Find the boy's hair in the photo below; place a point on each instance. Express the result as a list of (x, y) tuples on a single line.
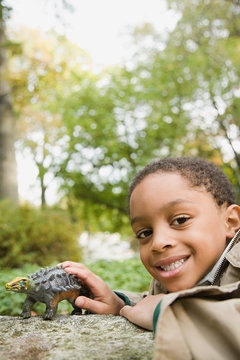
[(198, 172)]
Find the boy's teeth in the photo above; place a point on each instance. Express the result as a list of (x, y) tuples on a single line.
[(172, 266)]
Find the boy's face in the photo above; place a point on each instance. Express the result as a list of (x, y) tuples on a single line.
[(181, 230)]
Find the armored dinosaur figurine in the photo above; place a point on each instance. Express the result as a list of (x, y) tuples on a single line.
[(49, 286)]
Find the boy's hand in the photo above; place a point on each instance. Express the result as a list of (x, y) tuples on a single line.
[(142, 313), (105, 301)]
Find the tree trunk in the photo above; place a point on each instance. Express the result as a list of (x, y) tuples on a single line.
[(8, 171)]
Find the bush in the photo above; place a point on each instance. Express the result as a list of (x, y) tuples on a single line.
[(36, 236), (126, 275)]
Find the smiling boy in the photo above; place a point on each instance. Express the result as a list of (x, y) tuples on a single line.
[(181, 231), (185, 216)]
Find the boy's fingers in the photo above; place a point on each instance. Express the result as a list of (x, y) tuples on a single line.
[(125, 311), (93, 306), (94, 282), (142, 319), (71, 264)]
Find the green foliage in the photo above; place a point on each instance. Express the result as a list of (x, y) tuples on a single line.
[(36, 236), (179, 96), (126, 275), (172, 102), (194, 81)]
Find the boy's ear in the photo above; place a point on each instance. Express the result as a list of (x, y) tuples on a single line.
[(232, 220)]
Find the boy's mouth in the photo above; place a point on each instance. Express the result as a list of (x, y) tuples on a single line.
[(171, 265)]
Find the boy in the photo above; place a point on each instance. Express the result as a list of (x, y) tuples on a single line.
[(185, 215)]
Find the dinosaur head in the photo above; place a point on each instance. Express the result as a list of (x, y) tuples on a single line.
[(19, 284)]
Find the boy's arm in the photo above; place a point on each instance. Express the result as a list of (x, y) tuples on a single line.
[(104, 301), (142, 313)]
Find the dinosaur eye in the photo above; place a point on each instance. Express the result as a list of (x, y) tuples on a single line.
[(21, 283)]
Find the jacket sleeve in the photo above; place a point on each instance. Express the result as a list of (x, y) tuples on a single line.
[(132, 298)]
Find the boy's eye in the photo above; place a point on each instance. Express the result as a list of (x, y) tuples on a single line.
[(144, 234), (180, 220)]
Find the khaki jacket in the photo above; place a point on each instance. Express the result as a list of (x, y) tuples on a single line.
[(203, 322)]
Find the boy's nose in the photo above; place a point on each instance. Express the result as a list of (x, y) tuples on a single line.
[(161, 241)]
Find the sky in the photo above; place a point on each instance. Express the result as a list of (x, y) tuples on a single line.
[(101, 28)]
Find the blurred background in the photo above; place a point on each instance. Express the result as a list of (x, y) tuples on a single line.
[(90, 92)]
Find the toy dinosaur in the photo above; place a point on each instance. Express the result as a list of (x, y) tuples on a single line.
[(49, 286)]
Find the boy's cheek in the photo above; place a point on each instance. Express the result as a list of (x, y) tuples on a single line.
[(144, 256)]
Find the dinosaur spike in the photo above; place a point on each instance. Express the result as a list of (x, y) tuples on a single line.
[(67, 279), (52, 277), (54, 289)]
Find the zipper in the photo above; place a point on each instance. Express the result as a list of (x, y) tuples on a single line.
[(224, 261)]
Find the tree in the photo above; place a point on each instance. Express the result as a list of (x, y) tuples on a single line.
[(8, 176), (111, 135), (211, 33), (118, 122), (193, 73), (38, 77), (8, 173), (180, 96)]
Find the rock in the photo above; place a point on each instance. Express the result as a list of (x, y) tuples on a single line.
[(85, 337)]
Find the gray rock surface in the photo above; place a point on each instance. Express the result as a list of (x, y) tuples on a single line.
[(85, 337)]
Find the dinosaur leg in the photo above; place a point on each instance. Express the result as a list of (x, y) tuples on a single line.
[(51, 309), (27, 306), (77, 310)]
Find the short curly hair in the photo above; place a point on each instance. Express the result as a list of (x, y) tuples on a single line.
[(197, 171)]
